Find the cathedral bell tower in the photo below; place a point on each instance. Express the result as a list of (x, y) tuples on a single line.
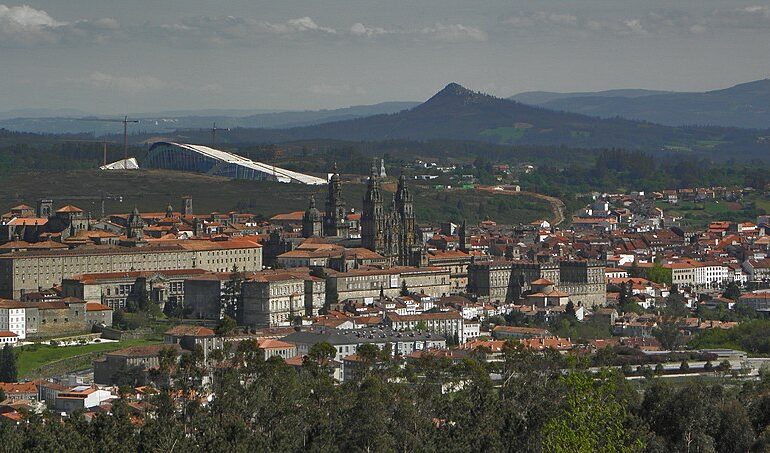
[(404, 205), (312, 221), (334, 223), (373, 216), (135, 228)]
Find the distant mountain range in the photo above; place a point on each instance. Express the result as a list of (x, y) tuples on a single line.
[(62, 121), (746, 105), (456, 113)]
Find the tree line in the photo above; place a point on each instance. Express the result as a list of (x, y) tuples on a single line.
[(430, 404)]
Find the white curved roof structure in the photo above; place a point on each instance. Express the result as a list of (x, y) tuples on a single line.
[(122, 164), (203, 159)]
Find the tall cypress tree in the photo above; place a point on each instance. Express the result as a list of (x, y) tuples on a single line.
[(8, 371)]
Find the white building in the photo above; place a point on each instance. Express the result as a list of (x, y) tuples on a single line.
[(696, 274), (13, 318), (7, 337), (81, 397)]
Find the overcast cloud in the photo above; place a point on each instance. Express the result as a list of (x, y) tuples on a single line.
[(113, 56)]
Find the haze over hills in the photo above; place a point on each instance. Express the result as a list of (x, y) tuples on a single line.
[(745, 105), (456, 113), (71, 121), (543, 97)]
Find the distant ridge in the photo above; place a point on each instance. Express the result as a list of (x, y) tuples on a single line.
[(457, 113), (745, 105), (69, 121)]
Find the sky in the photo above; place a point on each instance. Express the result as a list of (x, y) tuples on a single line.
[(119, 56)]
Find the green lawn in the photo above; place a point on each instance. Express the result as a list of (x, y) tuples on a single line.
[(61, 359)]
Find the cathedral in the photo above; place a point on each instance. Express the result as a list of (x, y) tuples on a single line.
[(392, 233)]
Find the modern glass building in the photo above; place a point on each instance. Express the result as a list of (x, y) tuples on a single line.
[(202, 159)]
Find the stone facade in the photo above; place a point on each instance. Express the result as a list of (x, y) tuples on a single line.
[(507, 281), (203, 296), (53, 318), (275, 298), (27, 271), (369, 283), (457, 263), (114, 288), (390, 233)]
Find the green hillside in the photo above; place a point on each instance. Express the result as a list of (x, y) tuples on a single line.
[(153, 190)]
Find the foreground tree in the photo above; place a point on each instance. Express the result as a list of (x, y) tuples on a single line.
[(231, 294), (591, 419), (8, 370), (668, 335)]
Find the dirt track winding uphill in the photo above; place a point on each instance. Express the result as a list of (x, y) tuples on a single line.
[(557, 206)]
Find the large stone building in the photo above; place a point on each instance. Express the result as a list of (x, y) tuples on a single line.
[(457, 262), (52, 318), (372, 282), (23, 224), (390, 233), (31, 270), (275, 298), (269, 298), (115, 288), (508, 281)]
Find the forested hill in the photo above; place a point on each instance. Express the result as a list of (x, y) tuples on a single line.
[(456, 113), (746, 105)]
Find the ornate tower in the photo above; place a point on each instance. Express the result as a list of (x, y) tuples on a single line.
[(404, 206), (187, 206), (135, 228), (465, 239), (373, 216), (311, 221), (334, 217), (44, 208)]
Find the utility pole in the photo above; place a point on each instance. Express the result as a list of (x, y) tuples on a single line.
[(104, 147)]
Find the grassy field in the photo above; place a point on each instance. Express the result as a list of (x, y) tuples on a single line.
[(153, 190), (42, 360), (698, 215)]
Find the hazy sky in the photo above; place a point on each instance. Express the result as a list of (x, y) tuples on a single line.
[(117, 56)]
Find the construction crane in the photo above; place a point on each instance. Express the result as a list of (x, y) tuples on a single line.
[(104, 146), (125, 122), (214, 130)]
